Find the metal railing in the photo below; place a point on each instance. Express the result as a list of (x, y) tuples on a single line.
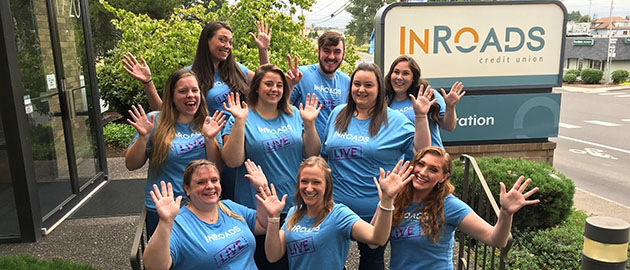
[(474, 254), (139, 242)]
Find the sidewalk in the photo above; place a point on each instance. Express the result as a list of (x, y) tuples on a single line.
[(105, 242), (594, 88)]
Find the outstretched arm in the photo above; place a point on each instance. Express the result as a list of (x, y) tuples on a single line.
[(157, 255), (274, 240), (142, 72), (135, 156), (309, 112), (448, 122), (212, 127), (511, 202), (233, 151), (421, 106), (388, 185)]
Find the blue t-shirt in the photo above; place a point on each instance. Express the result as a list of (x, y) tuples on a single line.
[(355, 157), (220, 92), (227, 244), (188, 145), (330, 91), (275, 145), (413, 250), (406, 107), (324, 246)]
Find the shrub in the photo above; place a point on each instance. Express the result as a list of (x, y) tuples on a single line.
[(569, 78), (118, 135), (573, 71), (591, 75), (555, 190), (24, 262), (559, 247), (619, 76)]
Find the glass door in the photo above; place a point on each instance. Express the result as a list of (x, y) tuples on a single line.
[(58, 98)]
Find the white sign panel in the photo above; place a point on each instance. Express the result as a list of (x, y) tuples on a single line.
[(486, 45)]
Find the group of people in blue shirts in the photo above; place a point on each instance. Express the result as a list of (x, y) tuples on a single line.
[(281, 170)]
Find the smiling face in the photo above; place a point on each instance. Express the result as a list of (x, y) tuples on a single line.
[(401, 78), (312, 186), (220, 45), (186, 98), (428, 172), (330, 58), (270, 90), (204, 188), (364, 89)]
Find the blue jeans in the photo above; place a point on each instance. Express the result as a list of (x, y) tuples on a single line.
[(371, 259)]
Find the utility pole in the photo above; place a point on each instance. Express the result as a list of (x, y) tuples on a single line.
[(611, 46)]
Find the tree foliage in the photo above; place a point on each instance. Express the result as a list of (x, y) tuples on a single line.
[(170, 44), (362, 23), (574, 16)]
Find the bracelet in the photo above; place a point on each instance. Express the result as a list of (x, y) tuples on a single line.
[(421, 116), (274, 220), (386, 209), (150, 80)]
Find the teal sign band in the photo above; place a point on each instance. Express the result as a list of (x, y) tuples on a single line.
[(506, 81), (506, 117)]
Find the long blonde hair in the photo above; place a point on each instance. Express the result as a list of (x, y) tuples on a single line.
[(300, 206), (192, 167), (165, 129), (432, 217)]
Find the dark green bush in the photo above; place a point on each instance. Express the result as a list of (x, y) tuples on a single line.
[(619, 76), (569, 78), (29, 263), (118, 135), (573, 71), (591, 75), (555, 190)]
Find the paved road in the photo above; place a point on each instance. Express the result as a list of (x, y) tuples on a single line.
[(593, 146)]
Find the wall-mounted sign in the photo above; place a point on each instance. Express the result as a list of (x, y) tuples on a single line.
[(584, 42), (486, 45), (505, 117)]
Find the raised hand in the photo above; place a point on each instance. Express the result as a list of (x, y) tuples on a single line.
[(310, 112), (140, 121), (211, 127), (422, 104), (456, 93), (237, 108), (268, 198), (139, 71), (255, 174), (263, 39), (390, 183), (294, 75), (514, 199), (167, 207)]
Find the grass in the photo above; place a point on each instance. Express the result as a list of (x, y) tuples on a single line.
[(24, 262)]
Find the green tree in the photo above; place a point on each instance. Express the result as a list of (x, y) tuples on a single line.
[(585, 18), (362, 23), (574, 16), (170, 44), (106, 35)]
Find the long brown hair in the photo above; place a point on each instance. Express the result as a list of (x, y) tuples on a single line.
[(300, 207), (378, 112), (414, 88), (432, 217), (252, 97), (229, 70), (192, 167), (165, 129)]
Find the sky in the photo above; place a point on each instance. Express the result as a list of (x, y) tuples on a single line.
[(321, 11)]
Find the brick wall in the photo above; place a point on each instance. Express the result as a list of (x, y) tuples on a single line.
[(539, 152)]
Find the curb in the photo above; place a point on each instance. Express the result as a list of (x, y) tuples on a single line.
[(597, 205)]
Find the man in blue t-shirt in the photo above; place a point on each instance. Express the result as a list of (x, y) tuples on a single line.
[(329, 85)]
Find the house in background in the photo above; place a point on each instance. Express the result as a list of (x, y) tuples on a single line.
[(592, 52), (620, 27)]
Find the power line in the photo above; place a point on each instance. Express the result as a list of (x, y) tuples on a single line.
[(334, 14)]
